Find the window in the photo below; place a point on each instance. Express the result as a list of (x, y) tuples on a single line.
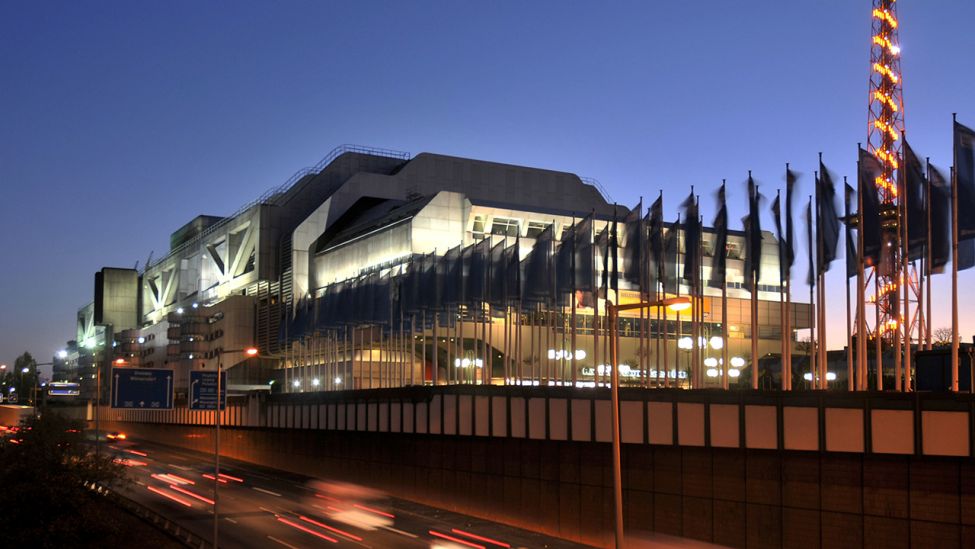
[(535, 228), (503, 226), (478, 228)]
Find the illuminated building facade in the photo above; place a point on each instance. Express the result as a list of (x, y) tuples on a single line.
[(265, 275)]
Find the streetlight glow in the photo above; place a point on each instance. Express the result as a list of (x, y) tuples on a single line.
[(251, 351)]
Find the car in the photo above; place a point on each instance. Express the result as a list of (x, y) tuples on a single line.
[(115, 436)]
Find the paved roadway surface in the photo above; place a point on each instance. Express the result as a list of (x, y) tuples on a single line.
[(260, 507)]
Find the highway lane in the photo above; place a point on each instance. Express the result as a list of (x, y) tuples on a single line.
[(261, 507)]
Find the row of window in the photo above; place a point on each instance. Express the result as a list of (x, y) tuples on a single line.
[(504, 226)]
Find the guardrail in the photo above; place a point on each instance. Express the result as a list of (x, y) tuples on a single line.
[(168, 527)]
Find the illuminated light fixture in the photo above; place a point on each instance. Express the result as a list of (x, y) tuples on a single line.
[(62, 354), (885, 16), (712, 372), (297, 383), (885, 99), (314, 382), (141, 340), (196, 305), (677, 304), (338, 381), (250, 351), (25, 370), (830, 376), (711, 362), (716, 342), (734, 373), (737, 361), (179, 310), (807, 376), (685, 343), (121, 361), (880, 125), (886, 71)]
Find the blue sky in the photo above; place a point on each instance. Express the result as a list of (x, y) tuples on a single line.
[(123, 120)]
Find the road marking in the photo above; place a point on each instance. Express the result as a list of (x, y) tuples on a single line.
[(179, 467), (230, 520), (400, 532), (267, 510), (140, 483), (286, 544), (268, 492)]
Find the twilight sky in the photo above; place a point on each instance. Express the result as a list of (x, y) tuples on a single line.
[(122, 122)]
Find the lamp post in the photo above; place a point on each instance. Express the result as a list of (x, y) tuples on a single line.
[(250, 352), (676, 304)]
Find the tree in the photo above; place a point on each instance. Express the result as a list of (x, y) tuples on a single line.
[(942, 337), (44, 501), (22, 383)]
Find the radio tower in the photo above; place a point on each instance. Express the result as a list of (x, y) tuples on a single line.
[(885, 126)]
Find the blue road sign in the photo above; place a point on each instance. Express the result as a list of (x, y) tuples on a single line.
[(142, 388), (203, 390)]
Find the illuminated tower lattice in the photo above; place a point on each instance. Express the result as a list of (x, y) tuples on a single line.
[(885, 124)]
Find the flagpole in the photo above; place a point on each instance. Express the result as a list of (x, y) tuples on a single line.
[(954, 279), (813, 326), (849, 326), (927, 259), (820, 376), (783, 327), (905, 274), (861, 290), (754, 294)]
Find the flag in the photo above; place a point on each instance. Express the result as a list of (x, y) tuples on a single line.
[(512, 271), (777, 217), (496, 273), (634, 247), (602, 245), (719, 259), (851, 250), (614, 255), (478, 271), (753, 236), (827, 221), (791, 178), (583, 261), (692, 241), (939, 206), (964, 141), (917, 219), (538, 273), (869, 170), (811, 279), (655, 244), (453, 274), (670, 281), (564, 271)]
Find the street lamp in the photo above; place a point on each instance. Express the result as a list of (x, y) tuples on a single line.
[(678, 303), (250, 352)]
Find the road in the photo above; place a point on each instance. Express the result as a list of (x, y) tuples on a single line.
[(260, 507)]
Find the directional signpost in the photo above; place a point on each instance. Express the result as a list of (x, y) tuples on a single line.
[(142, 388), (203, 390)]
